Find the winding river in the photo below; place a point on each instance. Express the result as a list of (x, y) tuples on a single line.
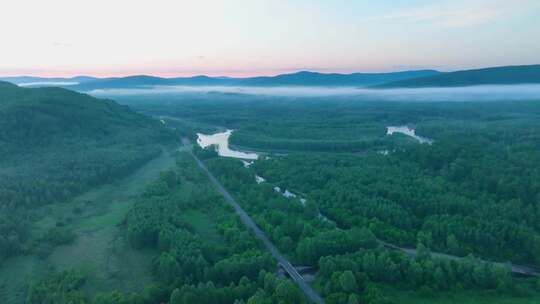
[(221, 141), (409, 132)]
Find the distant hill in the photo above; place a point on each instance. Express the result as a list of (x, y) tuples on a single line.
[(294, 79), (497, 75), (145, 80), (7, 86), (306, 78), (405, 79)]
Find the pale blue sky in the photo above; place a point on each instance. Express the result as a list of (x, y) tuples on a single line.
[(257, 37)]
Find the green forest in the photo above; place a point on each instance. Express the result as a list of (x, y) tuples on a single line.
[(365, 216), (55, 144), (472, 193), (203, 253)]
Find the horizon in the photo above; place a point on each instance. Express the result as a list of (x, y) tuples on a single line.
[(250, 76), (234, 74), (254, 38), (270, 151)]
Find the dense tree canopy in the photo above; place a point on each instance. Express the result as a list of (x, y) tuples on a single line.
[(56, 143), (473, 191)]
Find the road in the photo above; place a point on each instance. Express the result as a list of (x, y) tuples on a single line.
[(246, 219), (293, 273), (516, 269)]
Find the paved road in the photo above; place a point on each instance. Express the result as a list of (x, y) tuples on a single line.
[(244, 217)]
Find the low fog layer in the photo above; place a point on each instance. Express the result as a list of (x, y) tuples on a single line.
[(47, 83), (488, 92)]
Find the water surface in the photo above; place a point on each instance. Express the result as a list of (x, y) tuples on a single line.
[(221, 141), (409, 132)]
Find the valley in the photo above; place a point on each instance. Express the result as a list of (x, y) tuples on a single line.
[(270, 152), (297, 230), (216, 198)]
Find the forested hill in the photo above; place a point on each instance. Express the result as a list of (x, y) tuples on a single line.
[(37, 115), (7, 86), (304, 78), (56, 143), (524, 74)]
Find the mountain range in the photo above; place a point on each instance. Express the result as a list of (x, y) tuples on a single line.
[(406, 79), (524, 74)]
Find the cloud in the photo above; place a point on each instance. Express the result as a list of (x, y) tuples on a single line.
[(459, 13)]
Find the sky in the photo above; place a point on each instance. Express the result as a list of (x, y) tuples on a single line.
[(263, 37)]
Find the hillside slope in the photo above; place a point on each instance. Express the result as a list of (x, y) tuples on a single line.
[(524, 74), (55, 143), (43, 115)]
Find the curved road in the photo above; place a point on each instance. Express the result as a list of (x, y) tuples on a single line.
[(244, 217), (514, 268)]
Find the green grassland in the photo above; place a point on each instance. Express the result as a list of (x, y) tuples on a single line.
[(99, 249)]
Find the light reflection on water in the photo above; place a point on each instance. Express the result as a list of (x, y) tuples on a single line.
[(409, 132), (221, 140)]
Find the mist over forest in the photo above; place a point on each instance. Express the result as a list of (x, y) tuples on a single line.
[(476, 93), (270, 152)]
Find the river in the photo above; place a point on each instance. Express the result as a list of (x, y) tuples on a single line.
[(221, 141), (409, 132)]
